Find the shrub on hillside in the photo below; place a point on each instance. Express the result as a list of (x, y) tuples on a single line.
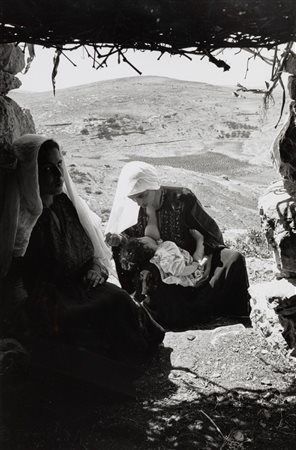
[(251, 244)]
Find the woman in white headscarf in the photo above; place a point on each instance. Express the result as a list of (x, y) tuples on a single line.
[(64, 260), (142, 207)]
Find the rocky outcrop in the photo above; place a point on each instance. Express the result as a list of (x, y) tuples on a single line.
[(274, 313), (8, 82), (290, 63), (292, 87), (12, 61), (283, 151), (277, 205), (274, 303), (15, 121), (278, 219), (12, 58)]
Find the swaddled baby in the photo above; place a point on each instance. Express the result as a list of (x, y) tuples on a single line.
[(175, 265)]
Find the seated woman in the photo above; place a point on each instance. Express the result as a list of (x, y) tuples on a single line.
[(142, 207), (64, 261)]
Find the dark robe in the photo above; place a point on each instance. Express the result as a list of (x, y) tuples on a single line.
[(225, 292), (103, 318)]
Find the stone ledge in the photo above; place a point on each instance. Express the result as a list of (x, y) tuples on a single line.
[(274, 313)]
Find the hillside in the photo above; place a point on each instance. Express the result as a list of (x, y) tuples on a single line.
[(199, 135)]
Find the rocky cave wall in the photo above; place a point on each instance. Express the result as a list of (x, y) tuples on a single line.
[(274, 302), (14, 120)]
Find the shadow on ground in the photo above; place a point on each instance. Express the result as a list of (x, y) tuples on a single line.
[(54, 413)]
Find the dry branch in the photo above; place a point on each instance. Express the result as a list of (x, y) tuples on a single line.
[(171, 26), (176, 27)]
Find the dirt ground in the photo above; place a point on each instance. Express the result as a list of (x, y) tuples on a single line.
[(218, 387), (215, 388)]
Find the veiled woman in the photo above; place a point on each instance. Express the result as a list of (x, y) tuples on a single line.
[(143, 207), (64, 261)]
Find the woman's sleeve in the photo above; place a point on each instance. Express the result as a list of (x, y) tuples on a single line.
[(131, 232), (197, 218)]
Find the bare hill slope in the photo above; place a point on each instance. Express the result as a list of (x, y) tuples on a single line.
[(199, 135)]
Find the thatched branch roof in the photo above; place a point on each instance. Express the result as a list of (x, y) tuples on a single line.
[(165, 25)]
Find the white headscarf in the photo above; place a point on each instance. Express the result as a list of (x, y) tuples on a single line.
[(135, 177), (24, 194)]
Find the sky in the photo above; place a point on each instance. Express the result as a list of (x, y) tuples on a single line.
[(38, 78)]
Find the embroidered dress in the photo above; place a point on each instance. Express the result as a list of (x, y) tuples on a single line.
[(180, 211)]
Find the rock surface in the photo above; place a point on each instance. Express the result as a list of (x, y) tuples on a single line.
[(290, 64), (15, 121), (8, 82), (283, 150), (274, 313), (278, 219), (292, 86), (12, 59)]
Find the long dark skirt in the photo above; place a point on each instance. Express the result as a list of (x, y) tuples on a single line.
[(225, 294), (104, 319)]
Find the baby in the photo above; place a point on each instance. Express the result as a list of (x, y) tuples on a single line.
[(175, 265)]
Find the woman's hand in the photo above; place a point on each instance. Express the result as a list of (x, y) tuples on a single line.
[(93, 278), (97, 275), (199, 252), (206, 266), (113, 239), (199, 257)]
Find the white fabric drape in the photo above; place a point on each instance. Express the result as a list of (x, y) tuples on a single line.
[(90, 221), (135, 177)]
